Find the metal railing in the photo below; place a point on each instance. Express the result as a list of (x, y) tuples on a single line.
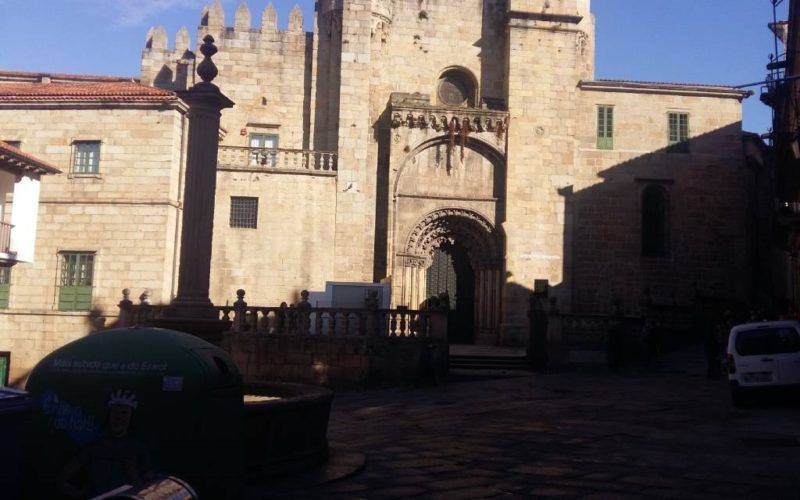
[(5, 237)]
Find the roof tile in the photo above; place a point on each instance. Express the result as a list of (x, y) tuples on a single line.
[(90, 91)]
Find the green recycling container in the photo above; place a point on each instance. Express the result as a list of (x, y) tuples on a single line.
[(126, 405)]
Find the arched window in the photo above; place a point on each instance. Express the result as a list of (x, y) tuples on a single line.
[(457, 88), (655, 221)]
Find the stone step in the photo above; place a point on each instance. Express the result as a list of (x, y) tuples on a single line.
[(514, 363)]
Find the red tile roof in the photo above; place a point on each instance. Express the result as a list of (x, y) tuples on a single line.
[(38, 76), (89, 92), (17, 159), (698, 89)]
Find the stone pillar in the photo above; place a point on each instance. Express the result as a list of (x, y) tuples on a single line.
[(192, 310)]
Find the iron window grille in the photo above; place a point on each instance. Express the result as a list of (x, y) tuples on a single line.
[(244, 212)]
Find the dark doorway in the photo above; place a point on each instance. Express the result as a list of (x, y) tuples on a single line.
[(451, 275)]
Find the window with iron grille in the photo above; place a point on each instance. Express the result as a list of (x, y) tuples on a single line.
[(605, 127), (678, 139), (244, 212), (86, 157), (75, 284), (5, 286)]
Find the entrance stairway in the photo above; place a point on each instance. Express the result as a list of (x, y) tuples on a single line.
[(488, 360)]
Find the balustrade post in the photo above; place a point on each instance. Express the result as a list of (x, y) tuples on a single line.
[(362, 323), (438, 325), (280, 318), (125, 309), (332, 323), (393, 324), (239, 312), (403, 312), (318, 322)]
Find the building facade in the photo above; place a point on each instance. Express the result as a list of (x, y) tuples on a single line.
[(110, 218), (440, 146), (474, 129)]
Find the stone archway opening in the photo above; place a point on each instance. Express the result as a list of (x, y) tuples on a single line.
[(451, 276), (463, 246)]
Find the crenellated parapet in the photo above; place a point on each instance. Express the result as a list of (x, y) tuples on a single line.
[(213, 22), (165, 67), (173, 67)]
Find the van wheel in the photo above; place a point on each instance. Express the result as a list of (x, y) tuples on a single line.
[(737, 398)]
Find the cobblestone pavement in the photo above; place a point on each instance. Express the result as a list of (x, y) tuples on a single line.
[(667, 433)]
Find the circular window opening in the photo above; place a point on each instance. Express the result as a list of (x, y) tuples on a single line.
[(455, 89)]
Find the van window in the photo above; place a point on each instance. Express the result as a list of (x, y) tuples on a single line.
[(767, 341)]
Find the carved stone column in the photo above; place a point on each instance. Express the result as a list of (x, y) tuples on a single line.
[(192, 310)]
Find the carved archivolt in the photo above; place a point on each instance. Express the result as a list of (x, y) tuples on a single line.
[(452, 123), (454, 225)]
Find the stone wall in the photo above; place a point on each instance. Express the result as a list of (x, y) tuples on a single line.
[(547, 58), (707, 190), (127, 214), (265, 71), (341, 363), (289, 251)]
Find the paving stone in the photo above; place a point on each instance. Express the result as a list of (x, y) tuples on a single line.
[(552, 492), (398, 492), (625, 440), (459, 483), (466, 493), (542, 470)]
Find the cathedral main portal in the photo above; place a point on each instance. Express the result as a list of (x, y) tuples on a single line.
[(452, 259)]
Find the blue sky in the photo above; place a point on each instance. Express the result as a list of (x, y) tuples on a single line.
[(693, 41)]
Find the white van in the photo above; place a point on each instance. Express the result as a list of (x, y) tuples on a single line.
[(762, 356)]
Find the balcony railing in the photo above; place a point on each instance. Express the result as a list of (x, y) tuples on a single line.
[(5, 237), (278, 159)]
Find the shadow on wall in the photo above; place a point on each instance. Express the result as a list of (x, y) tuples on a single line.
[(685, 225), (676, 222)]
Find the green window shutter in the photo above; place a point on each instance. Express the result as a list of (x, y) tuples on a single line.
[(5, 292), (75, 298), (678, 133), (605, 127), (5, 361), (5, 286), (75, 292)]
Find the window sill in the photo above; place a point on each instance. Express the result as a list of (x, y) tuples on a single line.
[(73, 175)]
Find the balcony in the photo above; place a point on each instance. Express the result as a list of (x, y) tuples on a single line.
[(277, 160), (7, 256)]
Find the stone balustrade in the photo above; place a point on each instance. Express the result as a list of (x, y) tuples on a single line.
[(278, 159), (304, 320)]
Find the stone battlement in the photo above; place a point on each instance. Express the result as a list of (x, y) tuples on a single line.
[(173, 67)]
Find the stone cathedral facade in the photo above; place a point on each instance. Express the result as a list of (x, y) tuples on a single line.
[(403, 140)]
